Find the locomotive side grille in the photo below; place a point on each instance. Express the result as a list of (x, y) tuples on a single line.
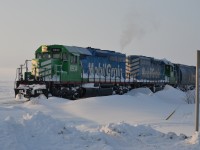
[(134, 67), (45, 69)]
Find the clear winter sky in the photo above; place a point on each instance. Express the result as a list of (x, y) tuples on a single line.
[(158, 28)]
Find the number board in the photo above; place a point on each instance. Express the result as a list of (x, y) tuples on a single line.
[(56, 50)]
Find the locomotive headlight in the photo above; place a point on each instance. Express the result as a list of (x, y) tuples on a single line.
[(44, 48)]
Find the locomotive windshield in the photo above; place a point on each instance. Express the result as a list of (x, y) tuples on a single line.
[(38, 56), (44, 55), (74, 59)]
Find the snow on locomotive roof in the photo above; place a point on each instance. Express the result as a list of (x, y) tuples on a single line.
[(79, 50), (167, 62), (100, 52), (164, 60)]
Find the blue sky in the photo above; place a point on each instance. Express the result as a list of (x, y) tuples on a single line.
[(157, 28)]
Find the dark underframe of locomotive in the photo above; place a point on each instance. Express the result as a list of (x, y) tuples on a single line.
[(66, 89)]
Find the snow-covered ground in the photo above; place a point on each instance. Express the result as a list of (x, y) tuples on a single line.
[(137, 120)]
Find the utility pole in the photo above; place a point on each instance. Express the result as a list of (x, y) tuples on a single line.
[(197, 93)]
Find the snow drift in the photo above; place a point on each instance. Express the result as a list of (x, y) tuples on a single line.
[(132, 121)]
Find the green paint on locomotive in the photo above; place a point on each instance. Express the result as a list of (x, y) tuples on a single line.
[(56, 63), (170, 73)]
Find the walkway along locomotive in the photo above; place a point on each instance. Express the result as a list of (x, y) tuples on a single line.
[(73, 72)]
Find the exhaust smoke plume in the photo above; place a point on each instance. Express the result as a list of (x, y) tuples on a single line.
[(136, 27), (131, 32)]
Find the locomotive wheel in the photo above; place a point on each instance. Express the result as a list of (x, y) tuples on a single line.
[(121, 92), (55, 92), (75, 96), (64, 93)]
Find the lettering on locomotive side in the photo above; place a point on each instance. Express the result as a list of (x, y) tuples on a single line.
[(105, 70), (151, 73)]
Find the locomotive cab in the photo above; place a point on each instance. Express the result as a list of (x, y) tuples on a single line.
[(56, 63), (169, 72)]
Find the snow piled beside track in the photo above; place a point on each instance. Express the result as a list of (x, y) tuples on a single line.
[(129, 122), (42, 132)]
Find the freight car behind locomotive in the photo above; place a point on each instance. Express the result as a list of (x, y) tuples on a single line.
[(185, 76)]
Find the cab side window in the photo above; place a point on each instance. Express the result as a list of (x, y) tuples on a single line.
[(74, 59), (46, 55), (38, 56), (64, 56)]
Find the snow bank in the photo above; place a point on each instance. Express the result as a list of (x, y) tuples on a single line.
[(40, 131), (190, 96), (171, 95), (132, 121), (19, 97), (36, 131), (33, 86), (195, 139), (139, 91)]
